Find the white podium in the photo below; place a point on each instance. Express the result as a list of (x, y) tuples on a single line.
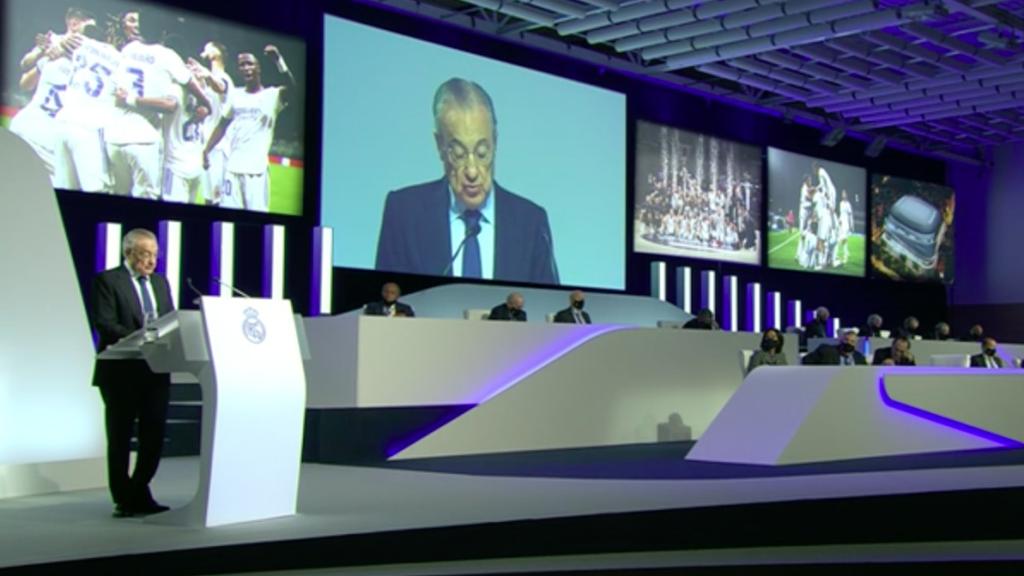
[(245, 353)]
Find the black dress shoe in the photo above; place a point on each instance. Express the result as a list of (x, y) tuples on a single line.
[(149, 508), (124, 511)]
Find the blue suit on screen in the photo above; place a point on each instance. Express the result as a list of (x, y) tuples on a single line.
[(415, 235)]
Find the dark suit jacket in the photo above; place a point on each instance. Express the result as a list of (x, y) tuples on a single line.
[(883, 354), (503, 312), (828, 355), (816, 329), (415, 235), (978, 361), (379, 309), (565, 316), (870, 332), (117, 312), (695, 324)]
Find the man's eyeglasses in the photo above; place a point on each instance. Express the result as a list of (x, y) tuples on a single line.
[(460, 157)]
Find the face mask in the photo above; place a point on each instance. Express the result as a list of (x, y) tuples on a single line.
[(768, 345), (846, 348), (578, 304), (990, 351)]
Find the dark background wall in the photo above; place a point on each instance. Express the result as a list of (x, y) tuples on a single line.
[(850, 299)]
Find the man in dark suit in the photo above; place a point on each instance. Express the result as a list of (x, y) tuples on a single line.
[(466, 224), (843, 354), (988, 357), (896, 355), (388, 305), (574, 314), (872, 328), (704, 320), (818, 328), (511, 310), (123, 298)]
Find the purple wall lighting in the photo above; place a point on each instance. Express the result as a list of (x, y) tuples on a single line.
[(684, 288), (753, 323), (773, 310), (708, 290), (945, 420), (108, 245)]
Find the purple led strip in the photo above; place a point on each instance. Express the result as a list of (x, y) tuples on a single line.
[(945, 420), (216, 245), (268, 261), (530, 365)]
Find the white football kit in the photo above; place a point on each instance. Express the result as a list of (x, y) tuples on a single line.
[(253, 117), (36, 123)]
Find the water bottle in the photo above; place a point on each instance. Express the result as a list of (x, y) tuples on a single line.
[(150, 334)]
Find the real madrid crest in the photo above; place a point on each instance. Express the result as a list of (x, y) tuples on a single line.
[(253, 328)]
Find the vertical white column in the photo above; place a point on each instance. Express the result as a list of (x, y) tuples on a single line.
[(322, 282), (775, 310), (170, 257), (273, 261), (753, 307), (684, 288), (222, 259), (108, 245), (659, 283), (730, 301), (708, 294)]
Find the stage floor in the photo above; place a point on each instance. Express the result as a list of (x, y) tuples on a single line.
[(337, 501)]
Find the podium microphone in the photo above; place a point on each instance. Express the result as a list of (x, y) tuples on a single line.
[(188, 280), (230, 287), (470, 233)]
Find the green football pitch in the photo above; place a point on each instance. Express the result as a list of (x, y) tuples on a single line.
[(782, 254)]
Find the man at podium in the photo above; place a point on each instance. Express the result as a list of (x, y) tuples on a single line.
[(123, 300)]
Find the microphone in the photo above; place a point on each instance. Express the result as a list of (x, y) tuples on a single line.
[(188, 280), (230, 287), (471, 232)]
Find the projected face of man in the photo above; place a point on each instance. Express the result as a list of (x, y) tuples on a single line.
[(466, 142), (131, 24), (249, 69)]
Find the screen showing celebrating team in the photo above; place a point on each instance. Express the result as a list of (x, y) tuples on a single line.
[(141, 101)]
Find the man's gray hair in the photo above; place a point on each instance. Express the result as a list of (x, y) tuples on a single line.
[(872, 318), (132, 237), (463, 94), (819, 310)]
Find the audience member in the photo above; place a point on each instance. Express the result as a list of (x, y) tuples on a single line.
[(574, 314), (941, 332), (818, 328), (988, 357), (771, 353), (872, 328), (843, 354), (909, 328), (512, 309), (389, 305), (704, 320), (896, 355), (976, 334)]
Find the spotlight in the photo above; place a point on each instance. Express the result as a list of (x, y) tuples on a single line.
[(834, 136), (876, 147)]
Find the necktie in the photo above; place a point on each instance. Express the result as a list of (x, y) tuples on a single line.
[(148, 311), (576, 314), (471, 266)]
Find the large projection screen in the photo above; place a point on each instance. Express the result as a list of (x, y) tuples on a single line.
[(547, 178), (122, 98)]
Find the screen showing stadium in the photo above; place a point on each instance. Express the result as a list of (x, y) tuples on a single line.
[(911, 230), (816, 214), (696, 196), (445, 163), (152, 102)]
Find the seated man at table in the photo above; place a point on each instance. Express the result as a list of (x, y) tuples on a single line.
[(818, 328), (843, 354), (988, 357), (511, 310), (872, 328), (704, 320), (896, 355), (389, 305), (574, 314)]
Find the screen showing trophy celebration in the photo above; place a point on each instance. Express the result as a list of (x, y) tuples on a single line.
[(696, 196), (151, 102), (464, 166), (911, 230), (816, 214)]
